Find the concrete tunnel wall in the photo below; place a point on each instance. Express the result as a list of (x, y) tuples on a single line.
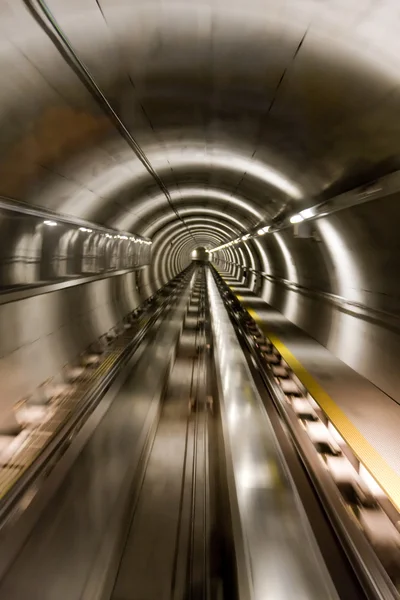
[(40, 334), (348, 295), (247, 115), (61, 324)]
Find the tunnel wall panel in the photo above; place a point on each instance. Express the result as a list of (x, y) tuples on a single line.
[(355, 257), (40, 334), (370, 348)]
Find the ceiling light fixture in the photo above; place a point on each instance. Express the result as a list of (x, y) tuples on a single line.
[(307, 213), (296, 219), (263, 230)]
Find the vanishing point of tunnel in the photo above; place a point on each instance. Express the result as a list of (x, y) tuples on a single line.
[(199, 299)]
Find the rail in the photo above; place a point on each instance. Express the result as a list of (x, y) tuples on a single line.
[(40, 460), (372, 576)]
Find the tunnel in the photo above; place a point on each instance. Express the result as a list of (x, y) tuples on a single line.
[(200, 254), (217, 159)]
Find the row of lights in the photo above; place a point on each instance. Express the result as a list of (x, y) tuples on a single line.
[(108, 235), (307, 213), (233, 242)]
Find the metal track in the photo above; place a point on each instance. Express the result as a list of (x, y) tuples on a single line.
[(283, 388), (21, 476), (189, 548)]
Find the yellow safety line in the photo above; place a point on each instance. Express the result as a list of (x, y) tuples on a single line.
[(386, 477)]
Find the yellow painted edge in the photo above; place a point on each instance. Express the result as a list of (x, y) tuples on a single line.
[(386, 477)]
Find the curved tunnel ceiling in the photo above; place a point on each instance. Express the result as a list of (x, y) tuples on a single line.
[(245, 110), (195, 123)]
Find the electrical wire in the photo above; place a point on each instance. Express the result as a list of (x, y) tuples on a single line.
[(62, 43)]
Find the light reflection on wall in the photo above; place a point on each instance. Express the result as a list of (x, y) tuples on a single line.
[(344, 339), (243, 262), (227, 160), (26, 269), (266, 268), (290, 307), (239, 410), (347, 276), (252, 264)]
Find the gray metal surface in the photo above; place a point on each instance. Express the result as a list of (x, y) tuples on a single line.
[(37, 249), (147, 565), (131, 43), (249, 110), (158, 554), (68, 535), (374, 414), (245, 110), (295, 421), (281, 558), (40, 334)]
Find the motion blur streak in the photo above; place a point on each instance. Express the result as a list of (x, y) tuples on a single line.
[(216, 119)]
